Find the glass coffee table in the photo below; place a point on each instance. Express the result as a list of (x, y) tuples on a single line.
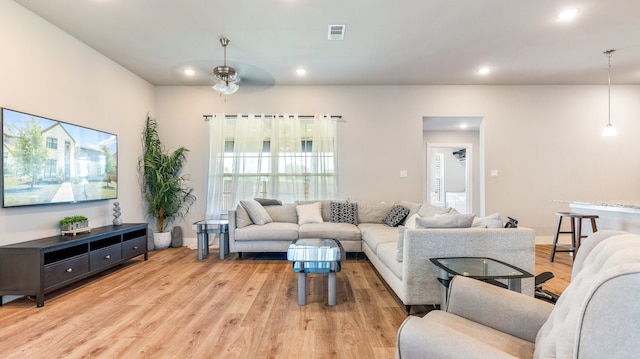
[(316, 255), (481, 268)]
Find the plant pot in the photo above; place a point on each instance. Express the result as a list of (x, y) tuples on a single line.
[(74, 226), (162, 240)]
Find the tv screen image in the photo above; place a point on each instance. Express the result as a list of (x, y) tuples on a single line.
[(46, 161)]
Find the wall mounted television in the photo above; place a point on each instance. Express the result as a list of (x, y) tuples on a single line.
[(47, 161)]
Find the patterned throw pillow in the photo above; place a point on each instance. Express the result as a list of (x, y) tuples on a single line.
[(395, 216), (344, 212)]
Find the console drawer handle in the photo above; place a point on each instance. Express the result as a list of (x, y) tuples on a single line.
[(135, 247), (107, 256), (69, 270)]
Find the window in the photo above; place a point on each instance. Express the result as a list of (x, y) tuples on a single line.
[(50, 169), (52, 143), (287, 158)]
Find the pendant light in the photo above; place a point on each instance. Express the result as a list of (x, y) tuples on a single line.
[(609, 130)]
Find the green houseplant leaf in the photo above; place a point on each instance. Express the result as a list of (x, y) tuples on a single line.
[(163, 186)]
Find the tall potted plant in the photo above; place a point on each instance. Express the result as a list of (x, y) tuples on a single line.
[(163, 185)]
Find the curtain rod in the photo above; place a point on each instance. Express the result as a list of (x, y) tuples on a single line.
[(208, 117)]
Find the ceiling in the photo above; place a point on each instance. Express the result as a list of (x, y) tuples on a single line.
[(407, 42)]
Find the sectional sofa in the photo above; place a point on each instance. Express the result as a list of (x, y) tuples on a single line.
[(398, 248)]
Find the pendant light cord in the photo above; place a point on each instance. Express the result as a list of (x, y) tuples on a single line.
[(609, 53), (609, 82)]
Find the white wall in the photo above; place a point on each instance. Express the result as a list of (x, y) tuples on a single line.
[(46, 72), (544, 140)]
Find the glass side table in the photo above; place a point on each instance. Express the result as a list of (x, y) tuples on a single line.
[(206, 227), (481, 268), (316, 255)]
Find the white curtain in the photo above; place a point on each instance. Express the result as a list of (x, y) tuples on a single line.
[(280, 156)]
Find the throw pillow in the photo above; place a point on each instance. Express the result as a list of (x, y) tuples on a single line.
[(396, 215), (344, 212), (256, 212), (429, 210), (448, 221), (242, 217), (400, 245), (490, 221), (413, 207), (411, 221), (268, 202), (309, 213)]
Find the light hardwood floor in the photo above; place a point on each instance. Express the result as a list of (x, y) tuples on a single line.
[(174, 306)]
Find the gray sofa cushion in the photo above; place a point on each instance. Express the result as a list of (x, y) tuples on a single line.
[(339, 231), (373, 212), (376, 233), (257, 213), (429, 210), (490, 221), (387, 255), (284, 213), (446, 221), (268, 232)]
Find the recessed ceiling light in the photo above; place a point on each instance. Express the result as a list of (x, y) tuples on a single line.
[(301, 71), (484, 70), (189, 72), (568, 15), (463, 125)]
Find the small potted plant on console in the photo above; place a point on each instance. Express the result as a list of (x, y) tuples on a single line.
[(74, 224)]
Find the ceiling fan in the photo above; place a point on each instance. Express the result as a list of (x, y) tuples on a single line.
[(226, 77)]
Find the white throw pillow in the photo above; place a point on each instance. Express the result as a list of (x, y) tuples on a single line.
[(309, 213), (257, 213)]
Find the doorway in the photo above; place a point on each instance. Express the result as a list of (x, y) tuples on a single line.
[(453, 158), (450, 181)]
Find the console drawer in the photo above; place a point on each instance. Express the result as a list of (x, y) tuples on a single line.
[(105, 257), (62, 271), (134, 247)]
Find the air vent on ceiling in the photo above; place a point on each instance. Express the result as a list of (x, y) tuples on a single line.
[(336, 32)]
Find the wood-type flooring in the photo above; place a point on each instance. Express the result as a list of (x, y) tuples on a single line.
[(174, 306)]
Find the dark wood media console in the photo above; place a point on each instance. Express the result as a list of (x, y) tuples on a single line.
[(39, 266)]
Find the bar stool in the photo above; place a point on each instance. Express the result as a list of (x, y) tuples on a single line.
[(576, 232)]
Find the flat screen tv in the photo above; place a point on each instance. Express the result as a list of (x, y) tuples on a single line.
[(46, 161)]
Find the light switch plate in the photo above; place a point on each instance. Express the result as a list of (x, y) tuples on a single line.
[(404, 174), (494, 173)]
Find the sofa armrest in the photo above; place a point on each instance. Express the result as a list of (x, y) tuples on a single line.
[(499, 308), (430, 337), (232, 225)]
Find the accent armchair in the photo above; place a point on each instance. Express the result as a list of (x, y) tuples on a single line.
[(597, 316)]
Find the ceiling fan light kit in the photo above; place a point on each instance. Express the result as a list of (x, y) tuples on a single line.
[(225, 76)]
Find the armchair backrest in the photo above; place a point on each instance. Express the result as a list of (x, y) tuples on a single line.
[(587, 246), (596, 316)]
